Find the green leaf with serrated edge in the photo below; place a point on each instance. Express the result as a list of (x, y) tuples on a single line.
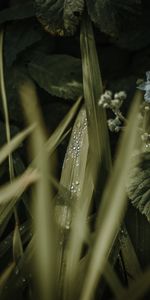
[(60, 17), (138, 183)]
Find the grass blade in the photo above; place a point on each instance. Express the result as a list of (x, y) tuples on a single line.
[(92, 86), (56, 135), (8, 137), (113, 206), (17, 244), (14, 143), (10, 193), (44, 224), (71, 182)]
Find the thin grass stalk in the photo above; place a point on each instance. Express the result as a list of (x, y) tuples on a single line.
[(10, 193), (78, 236), (14, 143), (8, 137), (113, 206), (44, 224)]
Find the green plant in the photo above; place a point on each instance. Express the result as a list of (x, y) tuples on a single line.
[(58, 253)]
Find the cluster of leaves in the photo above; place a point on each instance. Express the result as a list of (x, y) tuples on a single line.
[(29, 50)]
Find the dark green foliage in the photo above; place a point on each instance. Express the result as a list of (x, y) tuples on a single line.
[(19, 36), (35, 48), (138, 185), (113, 17), (17, 12), (60, 75), (59, 17)]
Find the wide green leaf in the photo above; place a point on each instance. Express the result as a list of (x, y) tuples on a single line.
[(138, 185), (112, 17), (17, 12), (19, 36), (60, 75), (59, 17)]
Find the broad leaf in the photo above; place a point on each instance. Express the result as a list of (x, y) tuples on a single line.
[(138, 185), (59, 17), (112, 17), (17, 12), (19, 36), (60, 75)]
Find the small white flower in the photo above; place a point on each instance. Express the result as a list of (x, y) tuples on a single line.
[(120, 95), (105, 105), (114, 124), (108, 94), (117, 129), (116, 103)]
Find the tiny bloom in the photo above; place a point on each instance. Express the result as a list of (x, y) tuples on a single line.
[(120, 95), (116, 103), (113, 124), (117, 129), (145, 86), (145, 137), (108, 93)]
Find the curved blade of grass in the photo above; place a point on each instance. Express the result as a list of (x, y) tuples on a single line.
[(17, 241), (6, 274), (72, 179), (10, 193), (92, 86), (113, 206), (17, 244), (6, 243), (57, 134), (14, 143), (44, 224), (5, 108)]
